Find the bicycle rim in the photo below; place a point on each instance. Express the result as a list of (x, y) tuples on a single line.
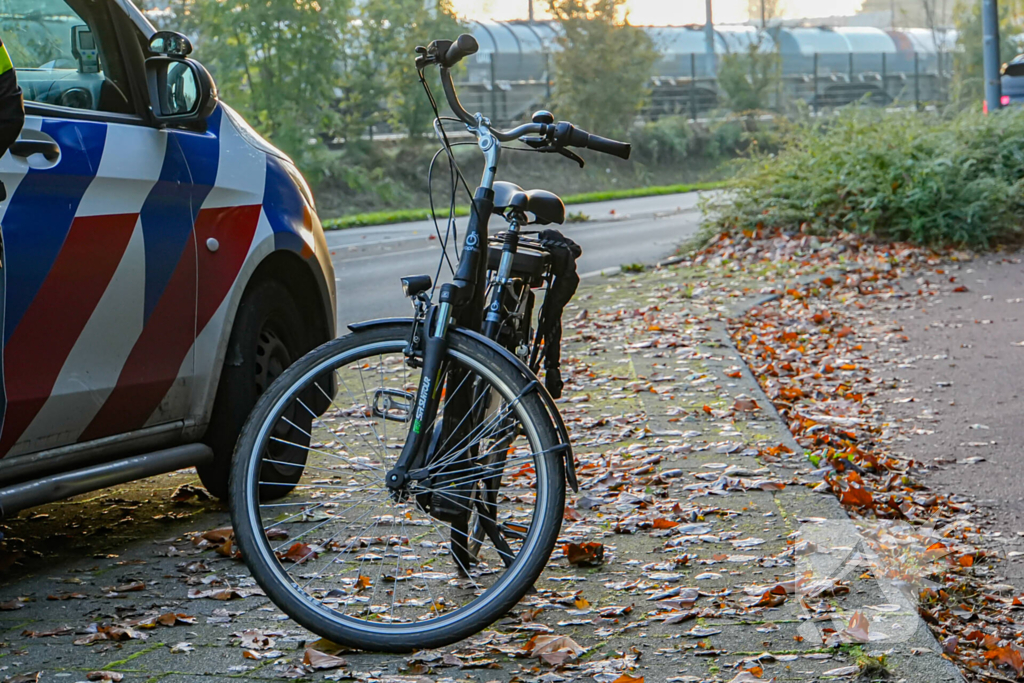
[(364, 565)]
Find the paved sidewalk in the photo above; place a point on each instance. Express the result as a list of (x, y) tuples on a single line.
[(719, 555), (957, 389)]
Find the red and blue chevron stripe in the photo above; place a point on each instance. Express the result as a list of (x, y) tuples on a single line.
[(67, 241)]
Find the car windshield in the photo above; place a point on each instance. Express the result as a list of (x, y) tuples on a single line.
[(38, 33)]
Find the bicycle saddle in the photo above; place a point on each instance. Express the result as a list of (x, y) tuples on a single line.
[(546, 207)]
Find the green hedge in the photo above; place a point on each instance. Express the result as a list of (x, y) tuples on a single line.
[(924, 178), (405, 215)]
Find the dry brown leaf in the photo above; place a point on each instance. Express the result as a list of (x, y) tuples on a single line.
[(554, 650), (321, 660), (857, 629), (114, 676)]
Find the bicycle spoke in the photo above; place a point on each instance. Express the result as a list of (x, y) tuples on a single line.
[(361, 550)]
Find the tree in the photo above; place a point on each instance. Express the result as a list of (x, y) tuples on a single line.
[(379, 62), (748, 77), (302, 71), (968, 62), (762, 9), (603, 72), (277, 62)]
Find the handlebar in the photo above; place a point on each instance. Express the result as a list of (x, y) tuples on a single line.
[(551, 136), (463, 46), (577, 137)]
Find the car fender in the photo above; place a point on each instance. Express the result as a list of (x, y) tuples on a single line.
[(549, 403), (264, 188)]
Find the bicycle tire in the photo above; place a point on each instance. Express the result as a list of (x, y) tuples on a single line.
[(538, 540)]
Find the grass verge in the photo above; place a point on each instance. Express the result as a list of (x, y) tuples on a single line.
[(361, 220)]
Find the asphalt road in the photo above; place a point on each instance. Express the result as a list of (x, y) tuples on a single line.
[(368, 262)]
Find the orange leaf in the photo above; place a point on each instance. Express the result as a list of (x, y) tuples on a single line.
[(662, 523), (855, 495), (626, 678), (770, 599), (299, 553), (966, 560), (584, 554)]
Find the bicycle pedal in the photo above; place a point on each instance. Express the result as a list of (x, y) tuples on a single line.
[(393, 404)]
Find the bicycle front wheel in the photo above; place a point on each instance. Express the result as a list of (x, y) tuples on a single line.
[(360, 565)]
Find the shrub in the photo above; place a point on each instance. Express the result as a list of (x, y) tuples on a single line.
[(665, 141), (748, 78), (902, 176)]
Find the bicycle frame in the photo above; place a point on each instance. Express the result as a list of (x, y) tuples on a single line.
[(461, 302)]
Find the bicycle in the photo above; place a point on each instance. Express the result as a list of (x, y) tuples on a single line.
[(423, 534)]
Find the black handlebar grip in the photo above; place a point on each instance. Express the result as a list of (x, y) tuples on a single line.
[(581, 138), (608, 146), (464, 46)]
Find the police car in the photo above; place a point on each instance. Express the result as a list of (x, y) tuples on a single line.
[(164, 262)]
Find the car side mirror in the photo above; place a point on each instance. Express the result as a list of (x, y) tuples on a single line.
[(181, 91), (170, 43)]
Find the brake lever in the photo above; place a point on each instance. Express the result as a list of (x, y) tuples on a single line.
[(423, 58), (543, 145), (571, 155)]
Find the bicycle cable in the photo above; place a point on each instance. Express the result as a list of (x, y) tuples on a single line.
[(443, 240)]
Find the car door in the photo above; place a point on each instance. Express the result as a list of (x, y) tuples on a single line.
[(98, 232)]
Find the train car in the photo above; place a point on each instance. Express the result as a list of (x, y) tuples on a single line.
[(826, 66)]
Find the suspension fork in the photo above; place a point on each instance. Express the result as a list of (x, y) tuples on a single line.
[(493, 318)]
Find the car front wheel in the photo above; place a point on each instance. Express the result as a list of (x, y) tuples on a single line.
[(269, 334)]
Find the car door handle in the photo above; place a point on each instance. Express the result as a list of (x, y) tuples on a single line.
[(26, 148)]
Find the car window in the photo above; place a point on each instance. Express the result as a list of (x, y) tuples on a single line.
[(66, 53)]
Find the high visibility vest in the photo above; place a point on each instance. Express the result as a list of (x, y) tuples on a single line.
[(5, 59)]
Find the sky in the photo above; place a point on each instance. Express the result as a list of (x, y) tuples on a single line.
[(663, 12)]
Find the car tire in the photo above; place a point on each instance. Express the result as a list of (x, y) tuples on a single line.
[(269, 334)]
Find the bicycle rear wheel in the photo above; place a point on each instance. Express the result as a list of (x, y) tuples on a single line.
[(354, 563)]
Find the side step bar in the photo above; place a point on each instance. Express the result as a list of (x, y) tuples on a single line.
[(15, 498)]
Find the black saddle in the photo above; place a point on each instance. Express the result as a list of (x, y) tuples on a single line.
[(545, 206)]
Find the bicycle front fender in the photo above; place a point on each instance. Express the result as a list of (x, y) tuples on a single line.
[(549, 403)]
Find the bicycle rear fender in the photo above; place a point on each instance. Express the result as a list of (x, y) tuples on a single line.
[(549, 403)]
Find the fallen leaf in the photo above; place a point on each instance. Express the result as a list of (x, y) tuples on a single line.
[(24, 678), (321, 660), (299, 553), (745, 405), (173, 618), (554, 650), (584, 554), (857, 629)]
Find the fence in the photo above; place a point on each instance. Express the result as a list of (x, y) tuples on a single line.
[(822, 80)]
